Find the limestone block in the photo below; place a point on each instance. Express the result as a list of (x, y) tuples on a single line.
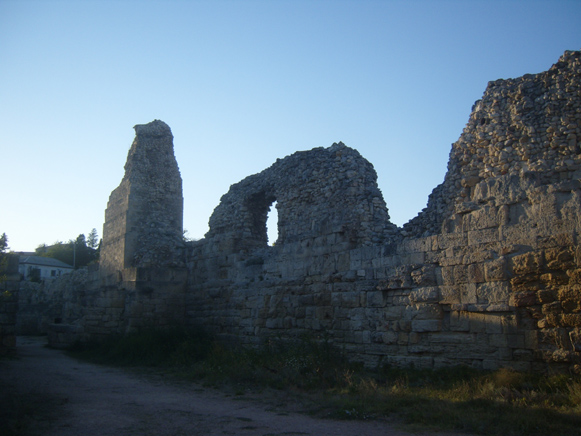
[(555, 239), (403, 325), (393, 312), (477, 322), (419, 349), (459, 321), (570, 319), (483, 218), (447, 240), (376, 299), (389, 337), (413, 258), (498, 340), (420, 362), (498, 307), (553, 308), (424, 276), (475, 273), (324, 312), (426, 325), (450, 294), (456, 275), (468, 293), (414, 338), (424, 295), (416, 245), (350, 299), (477, 256), (493, 292), (274, 323), (496, 269), (520, 234), (400, 300), (425, 311), (545, 296), (447, 273), (453, 338), (560, 258), (493, 323), (478, 237)]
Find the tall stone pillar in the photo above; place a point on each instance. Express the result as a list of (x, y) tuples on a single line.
[(142, 270), (144, 216)]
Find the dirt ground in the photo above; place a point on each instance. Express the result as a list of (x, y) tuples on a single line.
[(45, 392)]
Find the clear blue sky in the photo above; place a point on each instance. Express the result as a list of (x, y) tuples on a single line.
[(242, 83)]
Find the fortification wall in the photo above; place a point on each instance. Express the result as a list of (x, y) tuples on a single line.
[(141, 277), (524, 127), (9, 280), (144, 216), (487, 275)]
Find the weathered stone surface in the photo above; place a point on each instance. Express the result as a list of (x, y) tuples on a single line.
[(487, 275), (9, 283), (144, 217)]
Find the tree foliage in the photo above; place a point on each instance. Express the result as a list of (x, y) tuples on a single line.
[(74, 252), (3, 244), (93, 239), (3, 256)]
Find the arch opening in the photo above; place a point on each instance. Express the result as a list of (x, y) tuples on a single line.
[(272, 224)]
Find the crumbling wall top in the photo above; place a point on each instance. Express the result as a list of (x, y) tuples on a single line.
[(523, 129), (144, 217), (318, 192)]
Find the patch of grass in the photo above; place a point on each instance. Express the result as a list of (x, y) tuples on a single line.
[(502, 402), (174, 346)]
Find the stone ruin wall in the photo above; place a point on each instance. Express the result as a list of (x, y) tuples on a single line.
[(144, 216), (488, 275), (9, 282), (141, 275)]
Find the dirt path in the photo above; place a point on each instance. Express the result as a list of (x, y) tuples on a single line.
[(74, 398)]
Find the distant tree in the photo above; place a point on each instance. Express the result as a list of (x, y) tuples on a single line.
[(74, 252), (62, 251), (93, 239), (41, 249), (3, 244), (3, 257)]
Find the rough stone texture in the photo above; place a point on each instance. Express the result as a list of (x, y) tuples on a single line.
[(526, 129), (144, 216), (321, 193), (9, 280), (51, 302), (488, 275), (141, 276)]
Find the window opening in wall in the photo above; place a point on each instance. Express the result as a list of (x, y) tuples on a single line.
[(272, 225)]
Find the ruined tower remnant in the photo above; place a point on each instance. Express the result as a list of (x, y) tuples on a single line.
[(141, 272), (144, 216)]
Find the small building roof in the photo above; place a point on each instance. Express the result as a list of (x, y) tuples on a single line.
[(43, 261)]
